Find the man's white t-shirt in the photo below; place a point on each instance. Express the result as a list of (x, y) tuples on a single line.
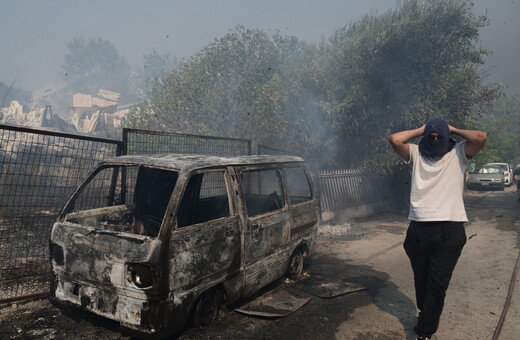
[(438, 185)]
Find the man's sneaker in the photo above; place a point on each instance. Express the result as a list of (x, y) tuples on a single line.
[(422, 338)]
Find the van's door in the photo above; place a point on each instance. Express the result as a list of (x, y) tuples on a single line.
[(205, 246), (303, 203), (268, 226)]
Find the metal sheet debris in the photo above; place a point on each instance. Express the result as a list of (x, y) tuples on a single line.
[(274, 304), (327, 287)]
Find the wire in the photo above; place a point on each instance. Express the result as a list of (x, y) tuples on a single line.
[(508, 301)]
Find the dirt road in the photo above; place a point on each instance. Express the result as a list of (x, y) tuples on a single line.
[(367, 252)]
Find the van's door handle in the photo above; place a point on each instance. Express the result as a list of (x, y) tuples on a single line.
[(256, 233)]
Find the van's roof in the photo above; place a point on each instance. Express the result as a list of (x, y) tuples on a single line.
[(188, 162)]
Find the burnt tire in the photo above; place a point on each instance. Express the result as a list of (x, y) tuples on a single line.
[(295, 269), (206, 308)]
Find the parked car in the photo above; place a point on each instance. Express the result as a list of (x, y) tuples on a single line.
[(507, 170), (154, 241), (490, 177)]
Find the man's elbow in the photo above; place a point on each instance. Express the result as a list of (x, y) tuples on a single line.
[(393, 140), (481, 138)]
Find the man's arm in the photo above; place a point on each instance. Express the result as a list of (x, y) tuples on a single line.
[(399, 141), (475, 140)]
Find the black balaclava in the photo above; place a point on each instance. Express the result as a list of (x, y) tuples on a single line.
[(436, 148)]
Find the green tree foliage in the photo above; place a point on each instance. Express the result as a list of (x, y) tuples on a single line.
[(340, 98), (401, 68), (503, 128), (154, 69), (93, 64), (244, 85)]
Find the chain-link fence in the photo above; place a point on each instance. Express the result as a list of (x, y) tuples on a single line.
[(38, 171), (149, 142)]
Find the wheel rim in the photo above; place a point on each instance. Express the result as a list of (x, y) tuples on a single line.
[(207, 309), (296, 265)]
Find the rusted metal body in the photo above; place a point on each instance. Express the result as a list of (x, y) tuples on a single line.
[(164, 233)]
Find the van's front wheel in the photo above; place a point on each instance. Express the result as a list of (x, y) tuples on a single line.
[(295, 265), (206, 308)]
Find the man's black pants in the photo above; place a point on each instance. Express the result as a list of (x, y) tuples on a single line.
[(433, 249)]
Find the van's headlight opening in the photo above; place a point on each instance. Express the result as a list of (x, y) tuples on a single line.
[(141, 275), (57, 254)]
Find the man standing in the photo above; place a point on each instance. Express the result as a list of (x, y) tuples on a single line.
[(436, 235)]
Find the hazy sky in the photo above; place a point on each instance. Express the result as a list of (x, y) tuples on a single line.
[(34, 34)]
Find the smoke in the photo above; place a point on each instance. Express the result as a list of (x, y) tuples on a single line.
[(501, 38)]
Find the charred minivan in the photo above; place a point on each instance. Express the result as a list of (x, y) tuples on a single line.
[(154, 241)]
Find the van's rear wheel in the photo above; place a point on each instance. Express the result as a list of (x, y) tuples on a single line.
[(295, 265), (206, 308)]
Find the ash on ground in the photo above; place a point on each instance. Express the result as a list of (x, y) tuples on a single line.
[(341, 232)]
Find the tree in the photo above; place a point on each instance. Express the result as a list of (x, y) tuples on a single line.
[(154, 69), (503, 128), (340, 98), (244, 85), (396, 70), (93, 64)]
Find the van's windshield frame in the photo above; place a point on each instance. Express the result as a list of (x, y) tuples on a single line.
[(131, 198)]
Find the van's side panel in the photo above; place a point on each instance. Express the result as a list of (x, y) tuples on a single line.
[(204, 255), (206, 251), (305, 222), (267, 252)]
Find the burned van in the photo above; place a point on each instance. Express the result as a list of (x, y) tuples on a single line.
[(155, 241)]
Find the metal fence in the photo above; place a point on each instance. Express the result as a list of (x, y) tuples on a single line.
[(340, 189), (148, 142), (38, 171), (343, 189)]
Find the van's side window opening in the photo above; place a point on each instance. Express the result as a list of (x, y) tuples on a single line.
[(263, 191), (153, 191), (136, 206), (298, 185), (205, 198)]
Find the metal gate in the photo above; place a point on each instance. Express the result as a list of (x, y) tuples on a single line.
[(38, 171)]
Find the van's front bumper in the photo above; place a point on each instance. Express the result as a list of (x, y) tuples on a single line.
[(132, 312)]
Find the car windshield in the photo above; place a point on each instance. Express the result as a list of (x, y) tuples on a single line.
[(488, 170), (503, 167), (131, 199)]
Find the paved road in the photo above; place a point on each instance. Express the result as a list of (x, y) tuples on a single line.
[(367, 252), (478, 288)]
